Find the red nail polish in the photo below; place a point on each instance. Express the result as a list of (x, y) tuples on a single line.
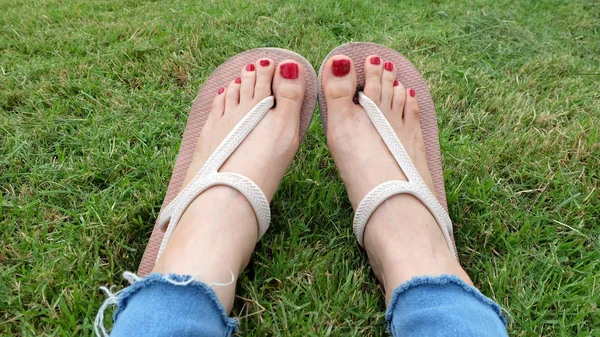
[(264, 63), (250, 67), (221, 90), (396, 83), (340, 68), (289, 71), (375, 60), (389, 66), (412, 92), (238, 80)]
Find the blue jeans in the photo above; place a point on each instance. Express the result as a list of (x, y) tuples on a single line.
[(424, 306)]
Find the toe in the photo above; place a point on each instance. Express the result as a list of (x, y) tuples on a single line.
[(218, 104), (289, 86), (373, 70), (232, 94), (247, 85), (264, 77), (411, 108), (339, 86), (398, 99), (387, 86)]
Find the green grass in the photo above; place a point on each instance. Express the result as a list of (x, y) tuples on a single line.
[(93, 101)]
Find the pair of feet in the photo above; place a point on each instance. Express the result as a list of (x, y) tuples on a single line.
[(217, 233)]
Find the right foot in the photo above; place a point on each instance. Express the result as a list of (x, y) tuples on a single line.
[(217, 233), (402, 239)]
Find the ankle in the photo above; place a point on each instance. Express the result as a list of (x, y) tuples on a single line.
[(212, 242), (403, 240)]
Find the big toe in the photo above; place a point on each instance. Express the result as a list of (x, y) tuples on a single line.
[(339, 85), (289, 86)]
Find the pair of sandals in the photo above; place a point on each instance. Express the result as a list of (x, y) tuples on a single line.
[(177, 200)]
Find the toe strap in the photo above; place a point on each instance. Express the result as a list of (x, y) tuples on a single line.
[(208, 176), (384, 191), (414, 186)]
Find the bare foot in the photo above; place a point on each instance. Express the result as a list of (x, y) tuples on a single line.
[(217, 233), (402, 238)]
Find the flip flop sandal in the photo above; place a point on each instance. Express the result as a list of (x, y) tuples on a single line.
[(176, 202), (410, 77)]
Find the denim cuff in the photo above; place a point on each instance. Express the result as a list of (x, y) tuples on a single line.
[(424, 281), (176, 281), (161, 305)]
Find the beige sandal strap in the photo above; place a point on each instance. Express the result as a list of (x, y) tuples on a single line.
[(414, 186), (209, 176)]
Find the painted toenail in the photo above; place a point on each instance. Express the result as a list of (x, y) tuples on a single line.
[(412, 92), (289, 71), (340, 68), (238, 80), (264, 63), (221, 90), (389, 66), (396, 83), (375, 60), (250, 67)]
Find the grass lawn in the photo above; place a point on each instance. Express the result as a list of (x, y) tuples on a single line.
[(94, 97)]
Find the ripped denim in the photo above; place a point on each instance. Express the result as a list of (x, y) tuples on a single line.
[(443, 306), (171, 305), (176, 305)]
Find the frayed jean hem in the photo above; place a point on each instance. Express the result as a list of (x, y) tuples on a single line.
[(165, 305), (443, 306)]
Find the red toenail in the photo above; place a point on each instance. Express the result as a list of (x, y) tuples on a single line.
[(289, 71), (264, 63), (412, 93), (389, 66), (396, 83), (221, 90), (238, 80), (375, 60), (250, 67), (340, 68)]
